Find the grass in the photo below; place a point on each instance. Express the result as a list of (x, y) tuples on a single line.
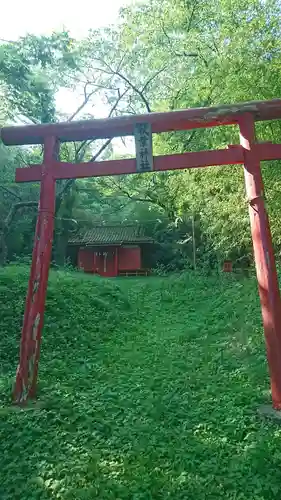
[(151, 389)]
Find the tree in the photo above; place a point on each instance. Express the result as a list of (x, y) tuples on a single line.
[(161, 56), (15, 201), (214, 53), (30, 71)]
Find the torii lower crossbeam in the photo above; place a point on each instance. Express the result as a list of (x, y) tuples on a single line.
[(249, 153)]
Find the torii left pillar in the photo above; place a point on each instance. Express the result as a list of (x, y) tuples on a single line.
[(26, 377)]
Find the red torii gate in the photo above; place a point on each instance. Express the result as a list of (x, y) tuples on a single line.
[(249, 153)]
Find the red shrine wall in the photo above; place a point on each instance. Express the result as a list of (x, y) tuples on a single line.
[(108, 261), (129, 258)]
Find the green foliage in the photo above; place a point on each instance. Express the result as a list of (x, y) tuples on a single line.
[(16, 231), (25, 73), (161, 55), (149, 387), (212, 54)]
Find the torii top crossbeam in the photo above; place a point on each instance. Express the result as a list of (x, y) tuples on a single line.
[(124, 125)]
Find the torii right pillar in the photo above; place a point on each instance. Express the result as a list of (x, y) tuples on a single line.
[(264, 256)]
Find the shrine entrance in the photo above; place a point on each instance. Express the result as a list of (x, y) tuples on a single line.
[(104, 262), (248, 153)]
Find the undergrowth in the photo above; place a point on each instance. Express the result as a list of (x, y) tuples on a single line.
[(150, 389)]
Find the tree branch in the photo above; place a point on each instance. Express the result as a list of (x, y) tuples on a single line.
[(7, 225), (10, 192), (87, 143), (69, 183), (134, 197), (177, 54), (191, 17), (136, 90), (102, 148), (153, 78), (15, 208), (87, 97), (125, 79)]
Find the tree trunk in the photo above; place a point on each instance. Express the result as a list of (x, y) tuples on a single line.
[(60, 246), (3, 248), (7, 223)]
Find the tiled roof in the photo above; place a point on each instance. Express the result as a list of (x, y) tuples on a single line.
[(106, 235)]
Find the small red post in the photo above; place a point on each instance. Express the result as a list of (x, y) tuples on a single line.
[(94, 263), (26, 377), (227, 266), (264, 256), (116, 262)]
